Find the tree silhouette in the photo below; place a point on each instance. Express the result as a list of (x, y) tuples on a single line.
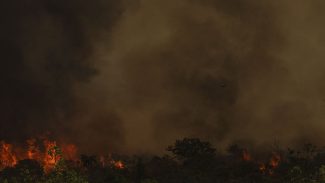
[(190, 148)]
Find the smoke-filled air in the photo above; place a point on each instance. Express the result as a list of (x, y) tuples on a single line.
[(132, 76)]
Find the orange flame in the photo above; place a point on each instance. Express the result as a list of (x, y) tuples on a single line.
[(7, 157), (46, 156), (271, 165), (50, 156), (119, 165), (32, 151), (275, 160), (104, 161)]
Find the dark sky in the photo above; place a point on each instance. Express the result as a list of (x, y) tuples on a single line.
[(134, 75)]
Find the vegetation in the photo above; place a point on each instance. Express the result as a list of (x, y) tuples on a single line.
[(187, 161)]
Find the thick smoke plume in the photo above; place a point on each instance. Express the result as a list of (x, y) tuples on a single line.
[(46, 51), (134, 76)]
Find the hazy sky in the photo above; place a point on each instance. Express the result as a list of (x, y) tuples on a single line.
[(135, 75)]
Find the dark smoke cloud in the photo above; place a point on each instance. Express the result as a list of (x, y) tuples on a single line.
[(45, 52), (182, 70), (135, 75)]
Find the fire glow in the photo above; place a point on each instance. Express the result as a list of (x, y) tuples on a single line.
[(7, 158), (265, 168), (44, 151), (45, 155)]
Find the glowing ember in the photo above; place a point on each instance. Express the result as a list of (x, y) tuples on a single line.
[(119, 165), (109, 161), (262, 167), (271, 165)]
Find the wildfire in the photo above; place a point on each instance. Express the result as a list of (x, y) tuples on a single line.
[(7, 157), (32, 151), (50, 157), (104, 161), (48, 153), (265, 168), (272, 164)]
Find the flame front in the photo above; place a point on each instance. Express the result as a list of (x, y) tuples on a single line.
[(46, 155)]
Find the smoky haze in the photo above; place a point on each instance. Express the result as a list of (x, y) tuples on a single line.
[(133, 76)]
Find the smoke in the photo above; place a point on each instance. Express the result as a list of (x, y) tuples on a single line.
[(183, 69), (134, 76), (46, 49)]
